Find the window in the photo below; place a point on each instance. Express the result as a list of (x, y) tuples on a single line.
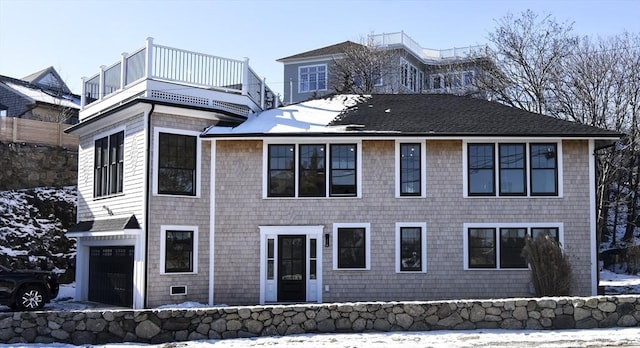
[(177, 157), (522, 167), (108, 165), (351, 246), (270, 258), (511, 244), (377, 77), (512, 173), (343, 170), (481, 164), (436, 81), (313, 258), (482, 248), (551, 232), (410, 169), (312, 171), (411, 247), (300, 170), (4, 111), (281, 170), (496, 246), (178, 249), (544, 169), (366, 78), (408, 75), (312, 78), (467, 78), (455, 80)]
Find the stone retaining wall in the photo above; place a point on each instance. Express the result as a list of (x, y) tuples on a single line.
[(30, 165), (171, 325)]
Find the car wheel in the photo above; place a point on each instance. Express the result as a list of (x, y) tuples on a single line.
[(30, 298)]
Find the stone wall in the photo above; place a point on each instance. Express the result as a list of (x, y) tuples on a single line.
[(171, 325), (25, 165)]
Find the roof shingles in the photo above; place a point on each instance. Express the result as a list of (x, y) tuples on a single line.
[(442, 114), (397, 115)]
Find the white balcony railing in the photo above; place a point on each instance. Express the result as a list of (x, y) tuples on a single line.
[(402, 39), (177, 66)]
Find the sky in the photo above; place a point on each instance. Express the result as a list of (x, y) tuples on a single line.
[(76, 37)]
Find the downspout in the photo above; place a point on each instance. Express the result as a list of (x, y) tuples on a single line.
[(147, 195), (212, 220)]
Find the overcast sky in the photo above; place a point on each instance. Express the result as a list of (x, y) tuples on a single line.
[(76, 37)]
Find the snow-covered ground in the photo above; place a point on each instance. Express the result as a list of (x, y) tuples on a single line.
[(614, 337), (616, 284)]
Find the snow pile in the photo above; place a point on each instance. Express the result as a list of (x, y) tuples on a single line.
[(619, 284), (33, 223), (313, 116)]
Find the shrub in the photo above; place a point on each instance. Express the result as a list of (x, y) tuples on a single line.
[(550, 269)]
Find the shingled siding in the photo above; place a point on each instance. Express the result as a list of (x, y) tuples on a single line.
[(171, 210), (175, 325), (240, 210)]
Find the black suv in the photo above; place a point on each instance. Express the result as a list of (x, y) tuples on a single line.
[(27, 290)]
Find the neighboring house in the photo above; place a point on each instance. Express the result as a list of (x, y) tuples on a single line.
[(41, 96), (189, 191), (414, 69)]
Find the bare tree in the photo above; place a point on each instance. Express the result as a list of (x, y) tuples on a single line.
[(365, 69), (529, 51), (600, 86), (540, 66)]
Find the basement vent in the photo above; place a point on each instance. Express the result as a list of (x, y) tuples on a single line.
[(178, 290)]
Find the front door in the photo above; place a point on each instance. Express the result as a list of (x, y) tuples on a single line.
[(291, 268)]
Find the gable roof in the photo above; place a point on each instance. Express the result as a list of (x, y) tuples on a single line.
[(39, 94), (323, 51), (398, 115), (47, 78)]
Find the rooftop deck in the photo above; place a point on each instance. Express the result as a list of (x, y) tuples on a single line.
[(427, 54), (174, 75)]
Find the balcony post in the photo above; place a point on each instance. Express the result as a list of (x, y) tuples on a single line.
[(83, 96), (245, 76), (101, 83), (123, 70), (262, 92), (148, 68)]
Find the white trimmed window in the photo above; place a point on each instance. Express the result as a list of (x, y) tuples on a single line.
[(409, 76), (108, 168), (178, 249), (499, 246), (512, 169), (312, 78), (411, 247), (351, 246), (410, 168), (312, 170), (176, 159)]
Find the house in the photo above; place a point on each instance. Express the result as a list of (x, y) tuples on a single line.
[(141, 116), (411, 68), (41, 96), (193, 188)]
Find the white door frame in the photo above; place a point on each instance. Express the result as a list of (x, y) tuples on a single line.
[(269, 288)]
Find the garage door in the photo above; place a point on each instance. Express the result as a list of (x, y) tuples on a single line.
[(111, 275)]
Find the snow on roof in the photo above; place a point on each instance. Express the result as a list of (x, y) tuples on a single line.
[(40, 96), (311, 116)]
